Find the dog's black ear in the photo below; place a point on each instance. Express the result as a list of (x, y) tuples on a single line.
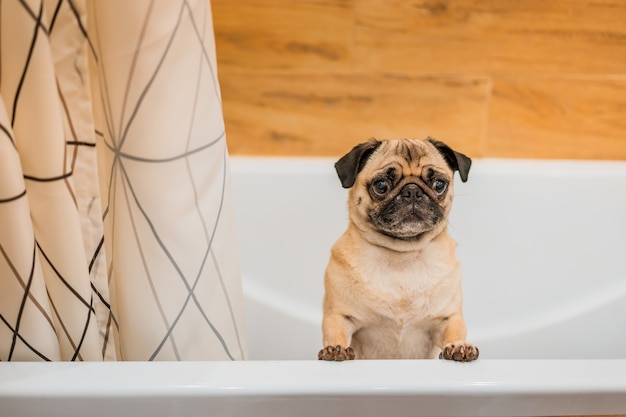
[(456, 160), (353, 162)]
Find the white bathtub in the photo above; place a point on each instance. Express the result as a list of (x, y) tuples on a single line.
[(543, 249)]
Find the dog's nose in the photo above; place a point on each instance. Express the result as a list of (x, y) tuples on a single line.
[(411, 192)]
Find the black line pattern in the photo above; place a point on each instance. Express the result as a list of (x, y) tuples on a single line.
[(81, 161), (50, 179), (38, 25), (41, 297), (127, 193), (154, 234), (22, 340), (16, 331), (163, 240), (13, 198)]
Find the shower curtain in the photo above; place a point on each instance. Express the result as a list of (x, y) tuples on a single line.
[(116, 228)]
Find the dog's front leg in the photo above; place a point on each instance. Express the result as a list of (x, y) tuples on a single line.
[(337, 332), (454, 345)]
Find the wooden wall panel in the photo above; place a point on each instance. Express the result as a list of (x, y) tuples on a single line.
[(493, 36), (532, 78), (327, 114), (558, 117), (283, 33)]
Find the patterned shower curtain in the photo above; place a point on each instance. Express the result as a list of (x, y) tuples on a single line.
[(116, 226)]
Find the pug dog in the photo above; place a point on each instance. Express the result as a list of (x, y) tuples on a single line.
[(393, 282)]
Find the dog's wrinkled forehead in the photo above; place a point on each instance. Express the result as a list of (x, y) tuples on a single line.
[(409, 155)]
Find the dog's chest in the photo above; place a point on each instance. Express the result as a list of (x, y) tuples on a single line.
[(403, 309), (406, 292)]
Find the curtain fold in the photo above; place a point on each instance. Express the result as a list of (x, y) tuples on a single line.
[(116, 224)]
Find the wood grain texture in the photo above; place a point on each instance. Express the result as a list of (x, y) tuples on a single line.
[(314, 77), (283, 33), (328, 113), (558, 117), (493, 36)]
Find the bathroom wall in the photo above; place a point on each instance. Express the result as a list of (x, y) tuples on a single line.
[(493, 78)]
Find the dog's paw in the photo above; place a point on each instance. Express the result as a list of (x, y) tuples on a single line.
[(336, 353), (460, 352)]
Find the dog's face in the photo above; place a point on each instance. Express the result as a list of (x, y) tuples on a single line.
[(401, 189)]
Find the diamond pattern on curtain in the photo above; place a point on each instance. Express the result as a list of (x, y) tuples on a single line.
[(116, 224), (33, 126)]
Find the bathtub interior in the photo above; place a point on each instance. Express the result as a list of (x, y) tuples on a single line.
[(541, 245)]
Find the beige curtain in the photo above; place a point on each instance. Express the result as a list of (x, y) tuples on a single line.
[(116, 226)]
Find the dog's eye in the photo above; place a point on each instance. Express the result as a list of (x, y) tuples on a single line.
[(381, 187), (439, 186)]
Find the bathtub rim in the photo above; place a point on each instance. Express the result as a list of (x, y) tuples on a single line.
[(490, 387)]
